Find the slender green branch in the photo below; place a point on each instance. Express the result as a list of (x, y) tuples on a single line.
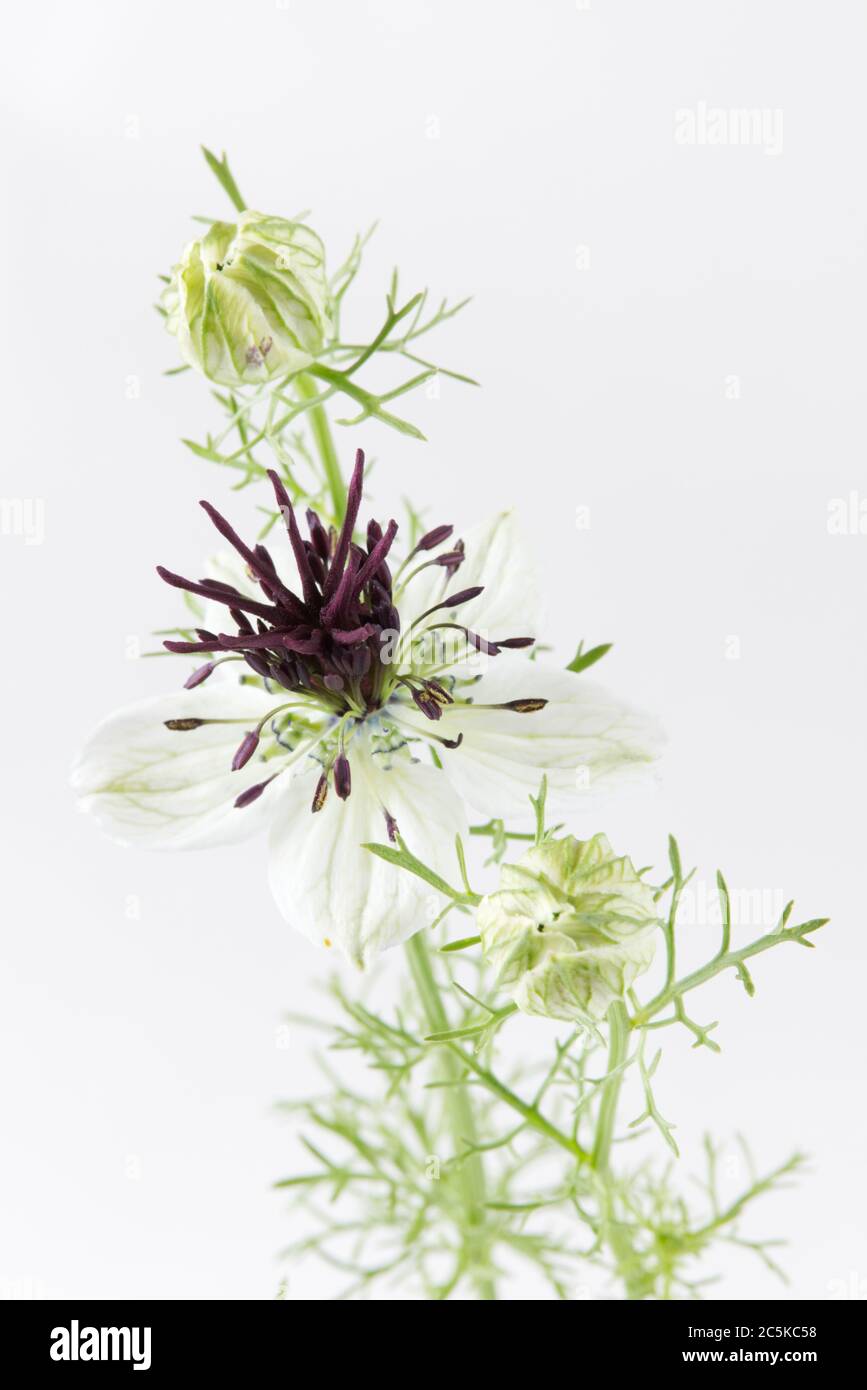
[(471, 1173), (371, 405), (533, 1117), (492, 828), (724, 960), (759, 1185), (402, 858), (651, 1110), (483, 1030)]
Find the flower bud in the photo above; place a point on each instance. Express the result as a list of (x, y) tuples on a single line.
[(570, 928), (250, 301)]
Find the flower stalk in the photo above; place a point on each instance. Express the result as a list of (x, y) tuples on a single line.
[(324, 442), (469, 1173), (618, 1042)]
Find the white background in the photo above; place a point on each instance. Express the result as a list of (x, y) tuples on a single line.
[(501, 145)]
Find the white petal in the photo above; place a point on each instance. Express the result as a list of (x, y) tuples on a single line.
[(583, 740), (156, 787), (498, 558), (337, 893)]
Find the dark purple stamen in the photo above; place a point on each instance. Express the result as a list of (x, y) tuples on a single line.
[(320, 794), (342, 777), (302, 560), (432, 539), (439, 692), (452, 601), (341, 549), (219, 593), (375, 559), (484, 644), (450, 742), (258, 664), (253, 793), (260, 570), (329, 642), (199, 675), (480, 643), (475, 639), (391, 826), (247, 747), (187, 648), (450, 560), (464, 596), (428, 695), (453, 565), (429, 708), (318, 535)]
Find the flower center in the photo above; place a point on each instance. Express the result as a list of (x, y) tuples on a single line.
[(331, 642), (337, 645)]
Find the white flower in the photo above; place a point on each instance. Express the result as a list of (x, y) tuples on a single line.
[(373, 703)]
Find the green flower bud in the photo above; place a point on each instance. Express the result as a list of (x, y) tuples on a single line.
[(250, 301), (569, 929)]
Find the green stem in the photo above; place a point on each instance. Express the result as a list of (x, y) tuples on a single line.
[(529, 1113), (618, 1041), (321, 430), (616, 1233), (470, 1174)]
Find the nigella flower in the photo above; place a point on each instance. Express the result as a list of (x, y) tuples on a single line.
[(360, 715)]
